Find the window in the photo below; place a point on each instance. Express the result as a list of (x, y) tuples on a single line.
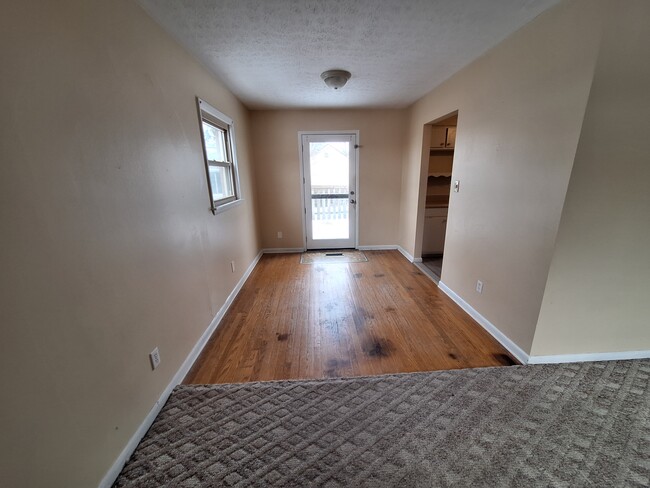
[(218, 137)]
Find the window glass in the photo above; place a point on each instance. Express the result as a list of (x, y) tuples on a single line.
[(215, 142), (220, 182)]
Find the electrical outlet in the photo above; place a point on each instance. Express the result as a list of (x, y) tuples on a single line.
[(154, 357), (232, 266), (479, 286), (456, 186), (279, 234)]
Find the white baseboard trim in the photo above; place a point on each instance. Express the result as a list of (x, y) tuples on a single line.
[(377, 248), (388, 247), (406, 254), (112, 474), (282, 250), (505, 341), (581, 358)]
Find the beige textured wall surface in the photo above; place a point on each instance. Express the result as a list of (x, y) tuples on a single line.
[(597, 294), (520, 113), (107, 245), (277, 164)]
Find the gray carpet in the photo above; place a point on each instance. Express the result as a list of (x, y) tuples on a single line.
[(572, 425)]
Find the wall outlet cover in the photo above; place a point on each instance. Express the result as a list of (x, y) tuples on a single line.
[(154, 357)]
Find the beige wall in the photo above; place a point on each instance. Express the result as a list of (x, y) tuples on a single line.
[(520, 113), (596, 297), (277, 166), (108, 247)]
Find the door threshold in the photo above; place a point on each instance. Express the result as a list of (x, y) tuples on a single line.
[(435, 278)]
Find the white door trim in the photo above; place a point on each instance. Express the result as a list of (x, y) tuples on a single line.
[(356, 182)]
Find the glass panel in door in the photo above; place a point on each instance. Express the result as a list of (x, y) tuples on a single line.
[(329, 190)]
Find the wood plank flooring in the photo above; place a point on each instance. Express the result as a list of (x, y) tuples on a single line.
[(297, 321)]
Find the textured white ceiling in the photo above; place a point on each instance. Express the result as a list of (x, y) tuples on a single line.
[(271, 53)]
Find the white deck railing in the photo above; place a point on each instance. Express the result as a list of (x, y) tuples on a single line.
[(324, 208)]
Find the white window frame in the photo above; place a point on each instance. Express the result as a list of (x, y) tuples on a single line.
[(212, 116)]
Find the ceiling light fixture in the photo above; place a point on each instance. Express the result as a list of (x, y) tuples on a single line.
[(336, 78)]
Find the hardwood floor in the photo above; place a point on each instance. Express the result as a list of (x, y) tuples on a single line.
[(295, 321)]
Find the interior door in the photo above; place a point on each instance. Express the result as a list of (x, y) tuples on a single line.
[(329, 169)]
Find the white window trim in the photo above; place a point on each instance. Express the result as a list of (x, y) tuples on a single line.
[(213, 116)]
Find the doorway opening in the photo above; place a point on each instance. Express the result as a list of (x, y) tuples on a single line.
[(329, 168), (441, 160)]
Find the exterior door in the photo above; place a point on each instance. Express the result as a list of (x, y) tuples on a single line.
[(329, 169)]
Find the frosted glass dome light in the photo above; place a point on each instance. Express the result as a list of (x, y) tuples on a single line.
[(336, 78)]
